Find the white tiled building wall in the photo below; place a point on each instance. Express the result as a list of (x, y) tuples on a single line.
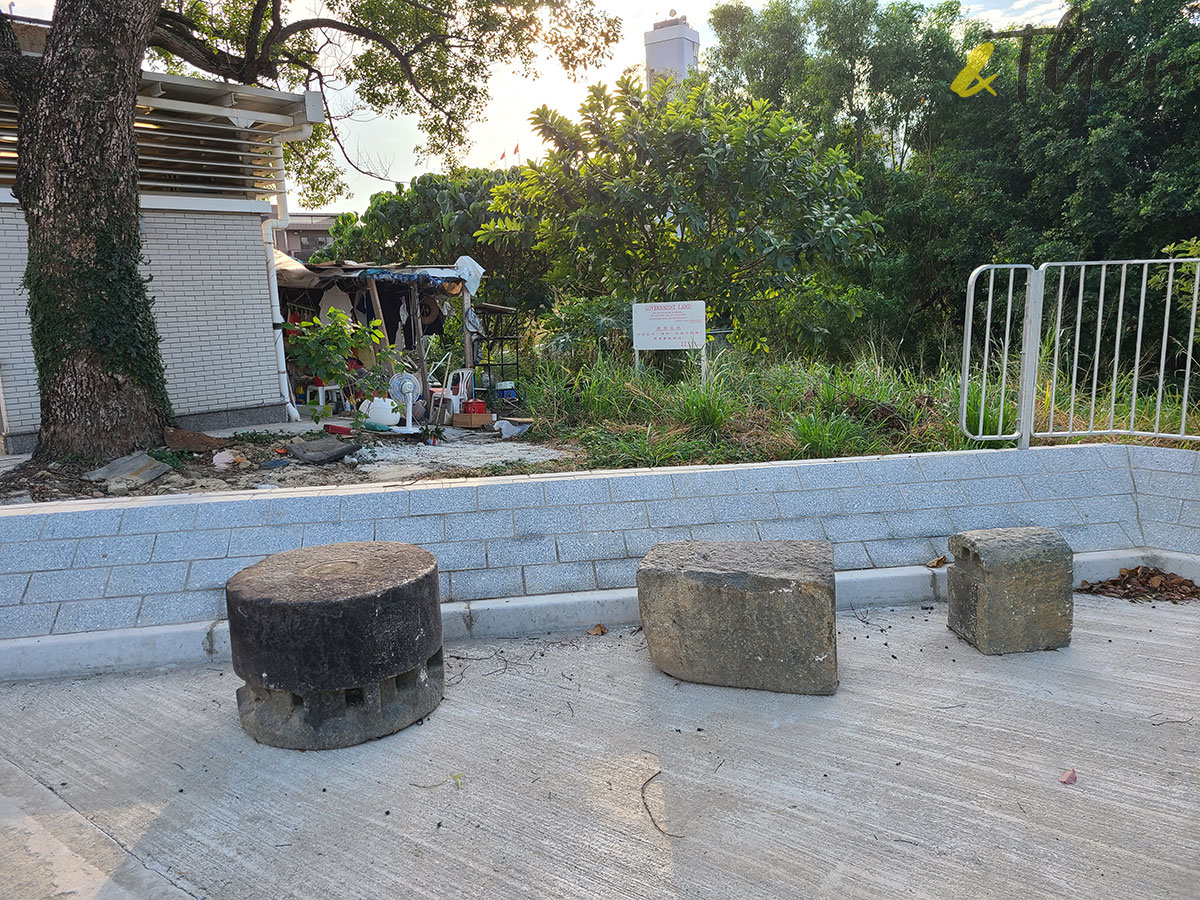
[(211, 302)]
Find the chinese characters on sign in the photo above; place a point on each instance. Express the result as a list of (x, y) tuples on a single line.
[(669, 326)]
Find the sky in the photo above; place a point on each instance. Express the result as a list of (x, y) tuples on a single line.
[(387, 144)]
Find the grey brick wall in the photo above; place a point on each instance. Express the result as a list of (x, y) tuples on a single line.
[(211, 303), (94, 565)]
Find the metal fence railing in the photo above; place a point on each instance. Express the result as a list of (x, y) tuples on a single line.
[(1081, 348)]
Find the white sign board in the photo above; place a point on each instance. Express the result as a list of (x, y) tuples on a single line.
[(669, 326)]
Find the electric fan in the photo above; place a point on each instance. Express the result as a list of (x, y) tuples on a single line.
[(404, 388)]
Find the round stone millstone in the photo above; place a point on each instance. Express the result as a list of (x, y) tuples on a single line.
[(337, 644)]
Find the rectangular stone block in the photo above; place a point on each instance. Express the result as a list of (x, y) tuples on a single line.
[(614, 516), (86, 523), (169, 547), (27, 620), (69, 584), (686, 511), (726, 531), (546, 520), (412, 529), (641, 487), (261, 541), (374, 505), (21, 528), (768, 479), (894, 470), (480, 525), (591, 545), (749, 507), (557, 578), (207, 573), (523, 551), (951, 466), (12, 589), (163, 517), (616, 573), (37, 556), (97, 615), (705, 483), (429, 501), (1010, 589), (511, 495), (639, 541), (484, 584), (226, 514), (791, 530), (338, 532), (576, 491), (171, 609), (302, 510), (120, 550), (756, 615)]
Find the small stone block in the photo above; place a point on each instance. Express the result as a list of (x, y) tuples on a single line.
[(753, 614), (1011, 589)]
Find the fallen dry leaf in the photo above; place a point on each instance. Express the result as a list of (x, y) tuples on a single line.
[(1067, 777), (936, 563), (597, 629), (1145, 584)]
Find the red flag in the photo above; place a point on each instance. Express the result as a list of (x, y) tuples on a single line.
[(517, 150), (504, 154)]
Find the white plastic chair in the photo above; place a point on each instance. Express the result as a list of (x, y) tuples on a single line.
[(460, 387)]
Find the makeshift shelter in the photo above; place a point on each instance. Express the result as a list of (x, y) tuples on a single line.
[(411, 301)]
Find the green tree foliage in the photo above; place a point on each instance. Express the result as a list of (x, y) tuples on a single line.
[(671, 195), (1094, 159), (425, 58), (434, 221)]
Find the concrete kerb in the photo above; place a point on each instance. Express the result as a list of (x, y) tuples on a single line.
[(129, 649)]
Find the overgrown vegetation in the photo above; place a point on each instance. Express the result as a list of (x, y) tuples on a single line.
[(753, 410), (748, 411)]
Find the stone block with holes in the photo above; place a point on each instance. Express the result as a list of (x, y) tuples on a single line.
[(337, 644), (747, 614), (1011, 589)]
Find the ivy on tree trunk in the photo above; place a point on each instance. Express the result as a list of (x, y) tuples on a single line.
[(95, 342)]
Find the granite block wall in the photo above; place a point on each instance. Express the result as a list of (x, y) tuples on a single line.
[(96, 565)]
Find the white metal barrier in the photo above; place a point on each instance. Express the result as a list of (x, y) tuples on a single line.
[(1114, 337)]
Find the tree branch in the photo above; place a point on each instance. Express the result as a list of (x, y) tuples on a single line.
[(173, 33), (330, 118), (18, 74), (252, 30)]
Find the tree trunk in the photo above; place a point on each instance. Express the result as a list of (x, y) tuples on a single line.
[(95, 342)]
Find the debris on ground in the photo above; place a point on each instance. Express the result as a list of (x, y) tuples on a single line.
[(136, 467), (597, 630), (1068, 777), (263, 460), (936, 563), (1143, 584), (192, 441), (323, 450), (223, 459)]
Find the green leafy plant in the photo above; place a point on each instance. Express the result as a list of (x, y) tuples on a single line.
[(323, 348)]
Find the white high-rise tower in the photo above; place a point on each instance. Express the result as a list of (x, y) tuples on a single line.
[(672, 48)]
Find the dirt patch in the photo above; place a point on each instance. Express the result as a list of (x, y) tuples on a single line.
[(262, 461)]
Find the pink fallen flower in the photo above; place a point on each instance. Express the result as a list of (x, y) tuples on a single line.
[(1067, 777)]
